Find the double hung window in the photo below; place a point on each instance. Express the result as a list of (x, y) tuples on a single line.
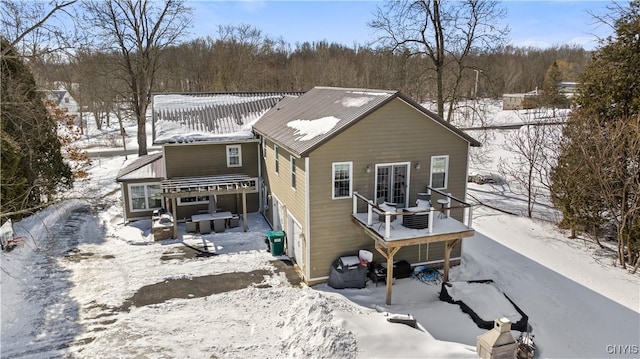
[(342, 174)]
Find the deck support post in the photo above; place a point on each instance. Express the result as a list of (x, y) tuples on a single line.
[(388, 254), (448, 246), (244, 211), (174, 211)]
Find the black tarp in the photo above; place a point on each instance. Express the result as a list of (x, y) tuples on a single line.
[(484, 323)]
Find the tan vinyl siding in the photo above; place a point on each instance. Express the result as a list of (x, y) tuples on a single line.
[(210, 159), (394, 133), (280, 184)]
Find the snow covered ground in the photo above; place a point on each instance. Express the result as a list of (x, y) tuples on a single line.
[(74, 289)]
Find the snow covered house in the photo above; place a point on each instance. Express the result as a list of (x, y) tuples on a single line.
[(350, 169), (63, 99), (338, 169), (209, 157)]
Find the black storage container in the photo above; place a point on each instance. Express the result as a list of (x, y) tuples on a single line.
[(401, 269), (347, 275)]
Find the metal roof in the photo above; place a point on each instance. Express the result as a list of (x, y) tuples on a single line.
[(145, 167), (210, 113), (302, 124)]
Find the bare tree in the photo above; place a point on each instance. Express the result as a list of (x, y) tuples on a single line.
[(139, 30), (444, 32), (36, 27), (535, 148), (614, 153)]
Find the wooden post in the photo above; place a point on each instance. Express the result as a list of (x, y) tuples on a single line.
[(389, 256), (174, 205), (244, 211), (448, 246)]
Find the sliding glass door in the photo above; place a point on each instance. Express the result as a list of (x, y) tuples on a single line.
[(392, 181)]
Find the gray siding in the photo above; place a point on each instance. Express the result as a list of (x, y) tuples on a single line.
[(210, 159), (128, 214)]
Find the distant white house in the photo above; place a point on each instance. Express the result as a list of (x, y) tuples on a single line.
[(519, 101), (524, 101), (568, 88), (63, 99)]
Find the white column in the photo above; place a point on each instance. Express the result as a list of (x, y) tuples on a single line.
[(431, 213)]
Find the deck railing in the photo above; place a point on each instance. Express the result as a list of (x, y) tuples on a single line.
[(389, 212), (468, 216)]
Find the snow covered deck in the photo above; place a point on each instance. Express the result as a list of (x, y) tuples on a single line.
[(387, 227), (393, 231), (442, 227)]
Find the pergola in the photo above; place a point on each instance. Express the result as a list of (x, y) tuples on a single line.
[(180, 187)]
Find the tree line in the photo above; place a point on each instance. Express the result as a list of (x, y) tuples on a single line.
[(237, 62), (434, 51)]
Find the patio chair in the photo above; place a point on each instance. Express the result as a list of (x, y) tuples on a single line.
[(234, 221), (205, 227), (192, 227), (219, 225), (390, 207)]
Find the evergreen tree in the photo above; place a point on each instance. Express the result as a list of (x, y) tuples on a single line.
[(33, 169), (598, 172), (551, 95)]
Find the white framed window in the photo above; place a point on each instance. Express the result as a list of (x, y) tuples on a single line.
[(188, 201), (144, 196), (342, 174), (293, 172), (234, 156), (276, 160), (439, 171)]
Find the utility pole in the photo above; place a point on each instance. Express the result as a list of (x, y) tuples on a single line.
[(475, 96), (475, 92)]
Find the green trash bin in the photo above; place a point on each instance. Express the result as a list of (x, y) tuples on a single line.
[(276, 242)]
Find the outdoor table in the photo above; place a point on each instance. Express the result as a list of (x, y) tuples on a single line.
[(211, 216)]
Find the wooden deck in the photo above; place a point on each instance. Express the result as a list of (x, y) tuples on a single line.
[(443, 229), (390, 235)]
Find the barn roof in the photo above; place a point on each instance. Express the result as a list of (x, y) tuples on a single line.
[(194, 117)]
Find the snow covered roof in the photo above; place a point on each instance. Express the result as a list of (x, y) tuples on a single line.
[(194, 117), (302, 124), (145, 167)]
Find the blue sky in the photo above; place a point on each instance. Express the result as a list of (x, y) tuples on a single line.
[(533, 23)]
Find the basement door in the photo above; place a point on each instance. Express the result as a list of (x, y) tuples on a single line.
[(278, 217), (295, 237)]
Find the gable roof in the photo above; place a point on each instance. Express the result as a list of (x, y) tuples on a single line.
[(145, 167), (304, 123), (194, 117)]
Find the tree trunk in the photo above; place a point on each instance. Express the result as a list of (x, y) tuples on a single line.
[(142, 135), (635, 267)]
